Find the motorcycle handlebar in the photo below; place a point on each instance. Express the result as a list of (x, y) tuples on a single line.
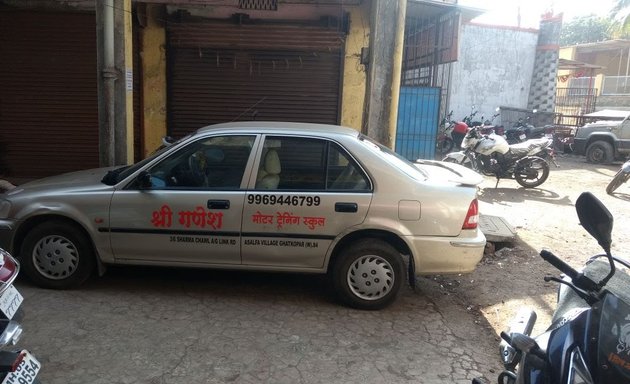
[(558, 263)]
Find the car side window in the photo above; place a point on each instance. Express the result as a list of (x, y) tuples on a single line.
[(297, 163), (212, 163)]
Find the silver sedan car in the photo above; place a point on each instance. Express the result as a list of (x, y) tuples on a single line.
[(303, 198)]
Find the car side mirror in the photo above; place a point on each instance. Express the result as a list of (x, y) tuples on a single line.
[(595, 218), (144, 180)]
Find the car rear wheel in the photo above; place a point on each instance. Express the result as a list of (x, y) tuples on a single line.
[(368, 274), (600, 152), (56, 254)]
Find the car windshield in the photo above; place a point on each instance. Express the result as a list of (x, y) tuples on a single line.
[(394, 158), (116, 175)]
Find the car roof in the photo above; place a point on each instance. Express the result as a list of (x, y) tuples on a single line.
[(280, 127)]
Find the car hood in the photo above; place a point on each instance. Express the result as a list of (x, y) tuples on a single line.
[(80, 180), (445, 171)]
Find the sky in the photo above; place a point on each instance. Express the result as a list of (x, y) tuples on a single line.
[(505, 12)]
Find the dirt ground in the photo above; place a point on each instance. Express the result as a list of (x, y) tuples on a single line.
[(544, 218)]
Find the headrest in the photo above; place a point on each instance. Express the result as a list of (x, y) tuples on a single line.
[(214, 155), (272, 162)]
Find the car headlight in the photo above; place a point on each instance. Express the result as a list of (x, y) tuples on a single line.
[(5, 207), (578, 372)]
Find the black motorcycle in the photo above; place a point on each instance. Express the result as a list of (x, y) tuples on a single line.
[(589, 339)]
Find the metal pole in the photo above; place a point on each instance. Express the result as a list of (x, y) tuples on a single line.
[(109, 77)]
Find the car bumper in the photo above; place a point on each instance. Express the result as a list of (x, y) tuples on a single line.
[(579, 146), (7, 227), (445, 255)]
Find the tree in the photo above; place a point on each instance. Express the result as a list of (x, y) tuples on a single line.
[(587, 29), (621, 14)]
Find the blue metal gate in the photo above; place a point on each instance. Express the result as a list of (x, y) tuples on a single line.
[(416, 128)]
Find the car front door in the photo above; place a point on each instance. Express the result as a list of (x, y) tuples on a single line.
[(191, 211), (306, 192)]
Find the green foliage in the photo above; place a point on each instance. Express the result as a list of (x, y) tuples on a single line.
[(587, 29)]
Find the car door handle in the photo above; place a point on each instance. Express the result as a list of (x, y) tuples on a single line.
[(218, 204), (346, 207)]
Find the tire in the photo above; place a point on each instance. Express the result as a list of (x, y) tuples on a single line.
[(532, 172), (599, 152), (57, 255), (620, 178), (368, 274), (445, 145)]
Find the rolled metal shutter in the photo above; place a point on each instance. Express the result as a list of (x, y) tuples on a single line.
[(48, 97), (221, 72)]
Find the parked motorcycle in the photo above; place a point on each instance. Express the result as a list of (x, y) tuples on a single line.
[(19, 366), (621, 177), (445, 143), (491, 155), (588, 340)]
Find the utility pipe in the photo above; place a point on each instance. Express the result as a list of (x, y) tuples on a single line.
[(109, 80), (399, 43)]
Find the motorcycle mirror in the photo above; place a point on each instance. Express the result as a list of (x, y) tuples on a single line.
[(595, 218)]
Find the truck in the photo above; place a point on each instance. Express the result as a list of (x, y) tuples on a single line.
[(606, 139)]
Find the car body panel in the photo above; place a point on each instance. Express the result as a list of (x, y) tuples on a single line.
[(424, 205)]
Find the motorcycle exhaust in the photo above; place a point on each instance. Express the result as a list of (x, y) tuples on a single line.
[(522, 323)]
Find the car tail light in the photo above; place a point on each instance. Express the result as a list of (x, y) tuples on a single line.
[(9, 268), (472, 217)]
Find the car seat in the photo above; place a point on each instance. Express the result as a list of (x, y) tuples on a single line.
[(269, 171)]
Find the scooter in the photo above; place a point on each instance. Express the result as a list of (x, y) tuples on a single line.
[(588, 340), (16, 366), (491, 155), (621, 177)]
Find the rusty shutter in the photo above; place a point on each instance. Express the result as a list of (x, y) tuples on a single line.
[(220, 72), (48, 97)]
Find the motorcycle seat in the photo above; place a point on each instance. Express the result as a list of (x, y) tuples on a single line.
[(525, 147)]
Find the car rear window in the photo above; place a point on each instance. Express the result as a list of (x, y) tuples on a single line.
[(393, 158)]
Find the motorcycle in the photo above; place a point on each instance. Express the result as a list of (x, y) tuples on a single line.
[(621, 177), (588, 340), (445, 143), (16, 366), (491, 155)]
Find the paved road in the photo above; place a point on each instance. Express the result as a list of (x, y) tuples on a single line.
[(138, 325), (159, 326)]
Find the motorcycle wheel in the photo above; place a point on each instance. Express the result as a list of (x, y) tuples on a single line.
[(468, 163), (532, 172), (620, 178), (444, 145)]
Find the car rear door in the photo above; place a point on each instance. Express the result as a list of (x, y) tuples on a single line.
[(192, 211), (306, 191)]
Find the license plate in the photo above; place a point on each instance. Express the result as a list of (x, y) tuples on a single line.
[(26, 372), (549, 135), (522, 136), (10, 301)]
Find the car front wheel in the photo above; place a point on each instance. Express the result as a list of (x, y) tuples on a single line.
[(56, 254), (368, 274)]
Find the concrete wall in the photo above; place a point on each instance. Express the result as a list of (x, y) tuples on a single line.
[(494, 69)]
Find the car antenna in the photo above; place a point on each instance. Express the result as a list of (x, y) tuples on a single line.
[(248, 109)]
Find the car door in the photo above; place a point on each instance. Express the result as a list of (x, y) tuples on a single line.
[(305, 193), (191, 212)]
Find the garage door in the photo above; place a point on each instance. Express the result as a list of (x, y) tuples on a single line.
[(221, 72), (48, 97)]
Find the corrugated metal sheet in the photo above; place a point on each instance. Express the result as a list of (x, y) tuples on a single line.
[(48, 93), (218, 73)]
